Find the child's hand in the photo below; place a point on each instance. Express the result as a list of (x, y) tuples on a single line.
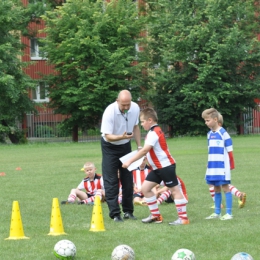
[(126, 164)]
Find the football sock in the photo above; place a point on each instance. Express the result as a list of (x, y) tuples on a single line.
[(119, 198), (212, 192), (89, 200), (164, 196), (180, 205), (72, 197), (234, 191), (218, 199), (153, 207), (228, 203)]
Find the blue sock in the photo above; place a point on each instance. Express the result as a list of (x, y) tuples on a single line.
[(218, 199), (228, 203)]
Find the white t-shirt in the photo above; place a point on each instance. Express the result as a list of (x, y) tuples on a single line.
[(115, 122)]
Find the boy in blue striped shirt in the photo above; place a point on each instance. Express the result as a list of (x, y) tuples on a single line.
[(220, 162)]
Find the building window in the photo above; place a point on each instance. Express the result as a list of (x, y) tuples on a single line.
[(39, 94), (36, 54)]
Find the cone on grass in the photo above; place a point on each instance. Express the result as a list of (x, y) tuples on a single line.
[(16, 227), (56, 227), (97, 221)]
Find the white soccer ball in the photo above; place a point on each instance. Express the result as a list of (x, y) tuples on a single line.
[(65, 249), (183, 254), (242, 256), (123, 252)]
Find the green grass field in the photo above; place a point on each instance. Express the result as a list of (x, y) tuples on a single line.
[(50, 170)]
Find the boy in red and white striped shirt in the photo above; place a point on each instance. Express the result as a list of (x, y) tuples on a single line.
[(163, 165), (88, 188)]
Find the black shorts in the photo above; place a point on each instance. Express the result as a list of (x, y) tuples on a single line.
[(166, 174), (138, 195)]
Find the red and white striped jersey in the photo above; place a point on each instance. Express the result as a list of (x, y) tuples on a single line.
[(91, 186), (159, 156), (139, 176)]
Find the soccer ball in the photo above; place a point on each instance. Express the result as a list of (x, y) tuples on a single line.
[(242, 256), (64, 249), (123, 252), (183, 254)]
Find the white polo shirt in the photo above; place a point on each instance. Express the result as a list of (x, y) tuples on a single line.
[(115, 122)]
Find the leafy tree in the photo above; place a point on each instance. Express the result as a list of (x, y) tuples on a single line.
[(204, 53), (92, 46), (14, 83)]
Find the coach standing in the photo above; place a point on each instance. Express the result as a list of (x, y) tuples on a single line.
[(119, 124)]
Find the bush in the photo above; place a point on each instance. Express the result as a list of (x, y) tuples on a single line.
[(43, 131)]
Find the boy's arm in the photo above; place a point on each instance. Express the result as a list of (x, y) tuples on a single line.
[(231, 160), (137, 156)]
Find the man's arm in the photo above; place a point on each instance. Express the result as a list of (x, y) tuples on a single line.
[(137, 135), (113, 138)]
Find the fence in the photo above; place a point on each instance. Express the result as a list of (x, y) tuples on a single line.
[(46, 127), (251, 119)]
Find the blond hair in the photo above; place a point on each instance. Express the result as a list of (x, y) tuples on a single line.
[(89, 164), (211, 112), (220, 119), (149, 113)]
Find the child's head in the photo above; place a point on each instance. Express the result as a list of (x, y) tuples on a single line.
[(210, 113), (90, 169), (149, 113), (211, 117), (148, 117)]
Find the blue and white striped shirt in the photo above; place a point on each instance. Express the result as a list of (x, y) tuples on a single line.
[(219, 144)]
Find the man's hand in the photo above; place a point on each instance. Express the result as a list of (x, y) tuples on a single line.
[(127, 135)]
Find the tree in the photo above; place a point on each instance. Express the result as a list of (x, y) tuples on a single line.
[(14, 83), (204, 53), (92, 46)]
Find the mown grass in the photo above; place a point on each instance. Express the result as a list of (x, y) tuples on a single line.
[(50, 170)]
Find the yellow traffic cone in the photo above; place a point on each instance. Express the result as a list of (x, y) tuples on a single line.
[(97, 221), (56, 227), (16, 228)]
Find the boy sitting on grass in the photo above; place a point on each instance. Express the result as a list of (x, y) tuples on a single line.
[(88, 188)]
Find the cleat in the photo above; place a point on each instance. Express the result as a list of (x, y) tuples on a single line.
[(83, 203), (213, 216), (118, 219), (242, 200), (67, 202), (128, 215), (226, 217), (154, 219), (180, 221), (141, 203)]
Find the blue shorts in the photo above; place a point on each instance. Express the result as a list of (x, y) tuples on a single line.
[(217, 183)]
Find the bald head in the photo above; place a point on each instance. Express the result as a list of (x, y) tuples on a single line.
[(124, 100), (124, 94)]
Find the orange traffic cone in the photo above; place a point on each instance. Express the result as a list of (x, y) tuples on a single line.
[(56, 227), (97, 222), (16, 228)]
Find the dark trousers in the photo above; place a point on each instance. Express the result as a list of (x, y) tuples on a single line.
[(110, 166)]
